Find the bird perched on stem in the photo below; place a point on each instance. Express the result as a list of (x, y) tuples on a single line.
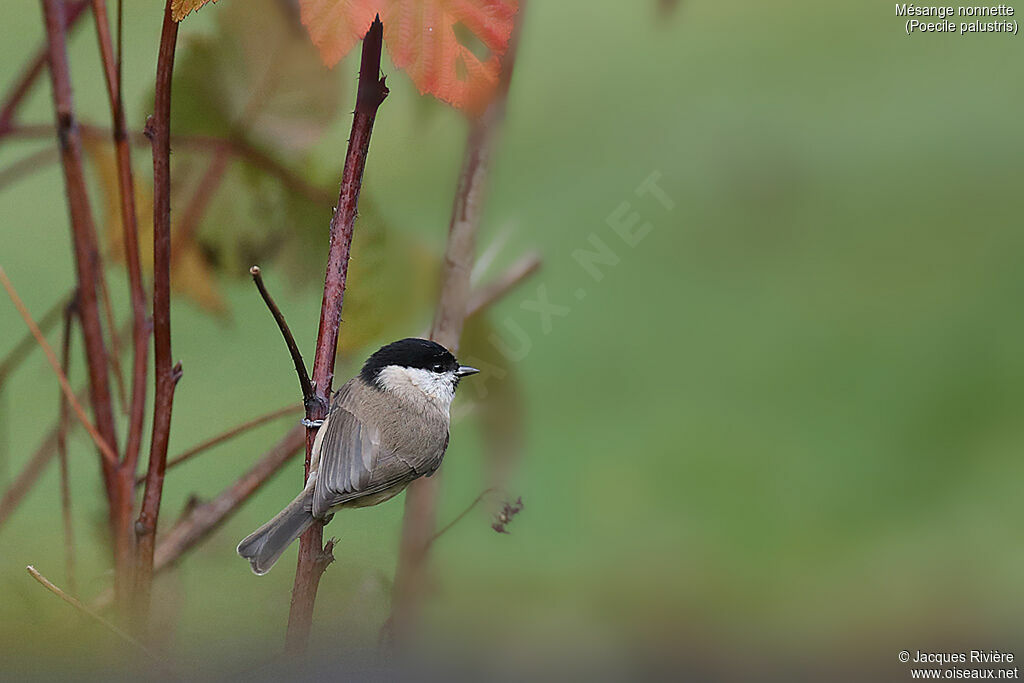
[(387, 426)]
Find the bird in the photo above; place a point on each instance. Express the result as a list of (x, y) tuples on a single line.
[(386, 427)]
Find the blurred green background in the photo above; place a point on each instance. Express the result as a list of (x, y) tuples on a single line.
[(783, 431)]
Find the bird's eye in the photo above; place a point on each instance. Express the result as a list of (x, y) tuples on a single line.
[(438, 367)]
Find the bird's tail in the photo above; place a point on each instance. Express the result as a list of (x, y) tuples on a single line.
[(264, 546)]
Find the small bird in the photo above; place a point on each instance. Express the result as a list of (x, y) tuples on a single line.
[(386, 427)]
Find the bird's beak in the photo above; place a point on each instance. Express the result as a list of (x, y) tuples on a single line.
[(465, 370)]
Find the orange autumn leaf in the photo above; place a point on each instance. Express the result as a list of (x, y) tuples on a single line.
[(426, 38), (181, 8)]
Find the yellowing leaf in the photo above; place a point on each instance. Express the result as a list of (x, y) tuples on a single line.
[(181, 8), (426, 38)]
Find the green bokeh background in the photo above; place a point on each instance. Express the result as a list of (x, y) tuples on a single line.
[(784, 430)]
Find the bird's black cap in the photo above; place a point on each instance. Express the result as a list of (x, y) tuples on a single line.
[(409, 353)]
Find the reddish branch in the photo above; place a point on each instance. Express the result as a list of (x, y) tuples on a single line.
[(167, 374), (293, 349), (16, 94), (203, 519), (129, 226), (238, 148), (89, 272), (226, 436), (420, 518), (313, 558)]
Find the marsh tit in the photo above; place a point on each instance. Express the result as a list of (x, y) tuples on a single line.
[(386, 427)]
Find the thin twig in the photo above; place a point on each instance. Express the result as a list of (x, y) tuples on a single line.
[(108, 453), (62, 455), (203, 519), (239, 148), (130, 232), (77, 604), (16, 95), (289, 339), (226, 436), (167, 374), (483, 297), (420, 517), (313, 556), (88, 270), (460, 516), (21, 350), (206, 188), (26, 166)]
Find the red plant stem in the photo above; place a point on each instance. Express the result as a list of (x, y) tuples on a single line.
[(89, 271), (62, 455), (129, 226), (16, 95), (420, 518), (203, 519), (166, 373), (371, 93), (289, 339), (225, 436)]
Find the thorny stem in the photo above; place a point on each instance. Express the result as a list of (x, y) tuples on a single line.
[(313, 558), (420, 516), (300, 366), (62, 455), (167, 374), (129, 227)]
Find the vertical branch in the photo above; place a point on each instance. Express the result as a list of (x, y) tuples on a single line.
[(167, 375), (62, 455), (88, 272), (129, 226), (420, 518), (313, 557)]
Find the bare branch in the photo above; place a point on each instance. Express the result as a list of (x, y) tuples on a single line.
[(226, 436), (167, 374), (313, 558), (203, 519), (16, 95), (460, 516), (130, 231), (289, 339), (108, 453), (498, 288)]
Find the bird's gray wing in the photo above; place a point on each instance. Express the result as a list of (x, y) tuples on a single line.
[(352, 462), (348, 452)]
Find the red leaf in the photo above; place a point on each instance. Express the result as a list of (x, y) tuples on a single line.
[(422, 39)]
